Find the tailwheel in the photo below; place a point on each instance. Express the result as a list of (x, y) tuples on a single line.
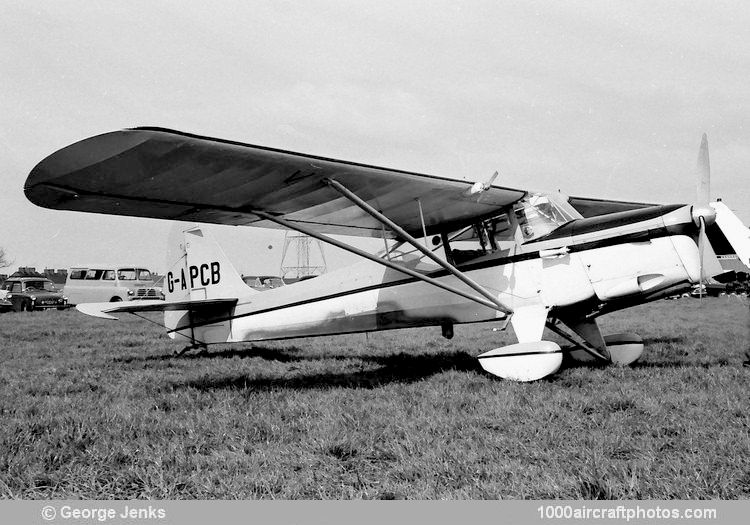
[(201, 347), (523, 361)]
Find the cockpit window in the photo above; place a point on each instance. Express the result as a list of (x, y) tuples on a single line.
[(537, 215), (500, 228)]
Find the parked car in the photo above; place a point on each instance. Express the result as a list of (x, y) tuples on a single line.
[(33, 293), (5, 305), (104, 283)]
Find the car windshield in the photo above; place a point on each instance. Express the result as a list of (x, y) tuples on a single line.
[(46, 286)]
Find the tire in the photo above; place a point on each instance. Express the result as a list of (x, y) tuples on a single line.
[(115, 299)]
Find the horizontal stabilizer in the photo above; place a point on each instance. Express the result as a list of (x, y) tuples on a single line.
[(103, 310)]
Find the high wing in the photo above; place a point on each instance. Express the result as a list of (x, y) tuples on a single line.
[(165, 174), (592, 207)]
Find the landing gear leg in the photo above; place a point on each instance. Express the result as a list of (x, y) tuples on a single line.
[(621, 349), (591, 348)]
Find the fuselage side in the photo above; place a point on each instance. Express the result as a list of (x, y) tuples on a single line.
[(582, 266)]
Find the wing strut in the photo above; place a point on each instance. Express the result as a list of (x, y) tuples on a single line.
[(312, 233), (411, 240)]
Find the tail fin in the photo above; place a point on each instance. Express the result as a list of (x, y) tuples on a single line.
[(198, 269)]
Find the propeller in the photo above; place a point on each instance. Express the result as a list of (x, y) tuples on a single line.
[(705, 213), (702, 211), (478, 188)]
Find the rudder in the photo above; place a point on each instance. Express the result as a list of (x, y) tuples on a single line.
[(199, 269)]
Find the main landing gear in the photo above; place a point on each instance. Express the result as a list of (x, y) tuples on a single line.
[(532, 358), (591, 347), (623, 349), (523, 361), (201, 348)]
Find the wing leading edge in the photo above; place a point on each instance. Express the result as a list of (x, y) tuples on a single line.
[(165, 174)]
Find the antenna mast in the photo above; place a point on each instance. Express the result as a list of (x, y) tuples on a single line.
[(302, 256)]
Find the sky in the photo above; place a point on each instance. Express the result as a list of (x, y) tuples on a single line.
[(595, 99)]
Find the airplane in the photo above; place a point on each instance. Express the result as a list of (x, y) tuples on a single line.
[(453, 251)]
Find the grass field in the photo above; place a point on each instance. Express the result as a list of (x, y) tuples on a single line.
[(97, 409)]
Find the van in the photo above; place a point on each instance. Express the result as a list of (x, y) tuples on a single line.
[(100, 283)]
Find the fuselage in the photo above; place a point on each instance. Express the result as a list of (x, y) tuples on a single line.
[(587, 266)]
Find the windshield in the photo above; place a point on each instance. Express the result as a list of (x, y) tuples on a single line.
[(537, 215), (46, 286)]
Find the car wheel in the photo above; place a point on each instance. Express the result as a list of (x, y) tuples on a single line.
[(115, 299)]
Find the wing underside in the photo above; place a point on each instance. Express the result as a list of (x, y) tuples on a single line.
[(164, 174)]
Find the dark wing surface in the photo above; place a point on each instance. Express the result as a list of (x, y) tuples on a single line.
[(593, 207), (164, 174)]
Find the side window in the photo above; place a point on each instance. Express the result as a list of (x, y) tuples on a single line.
[(109, 275), (500, 229), (144, 275), (77, 274), (126, 274), (94, 275)]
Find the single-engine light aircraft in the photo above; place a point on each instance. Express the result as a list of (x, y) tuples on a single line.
[(454, 251)]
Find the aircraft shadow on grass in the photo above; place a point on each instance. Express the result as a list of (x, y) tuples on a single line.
[(395, 368), (664, 340), (719, 361)]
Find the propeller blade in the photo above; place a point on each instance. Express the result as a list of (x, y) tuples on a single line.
[(701, 249), (703, 189)]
